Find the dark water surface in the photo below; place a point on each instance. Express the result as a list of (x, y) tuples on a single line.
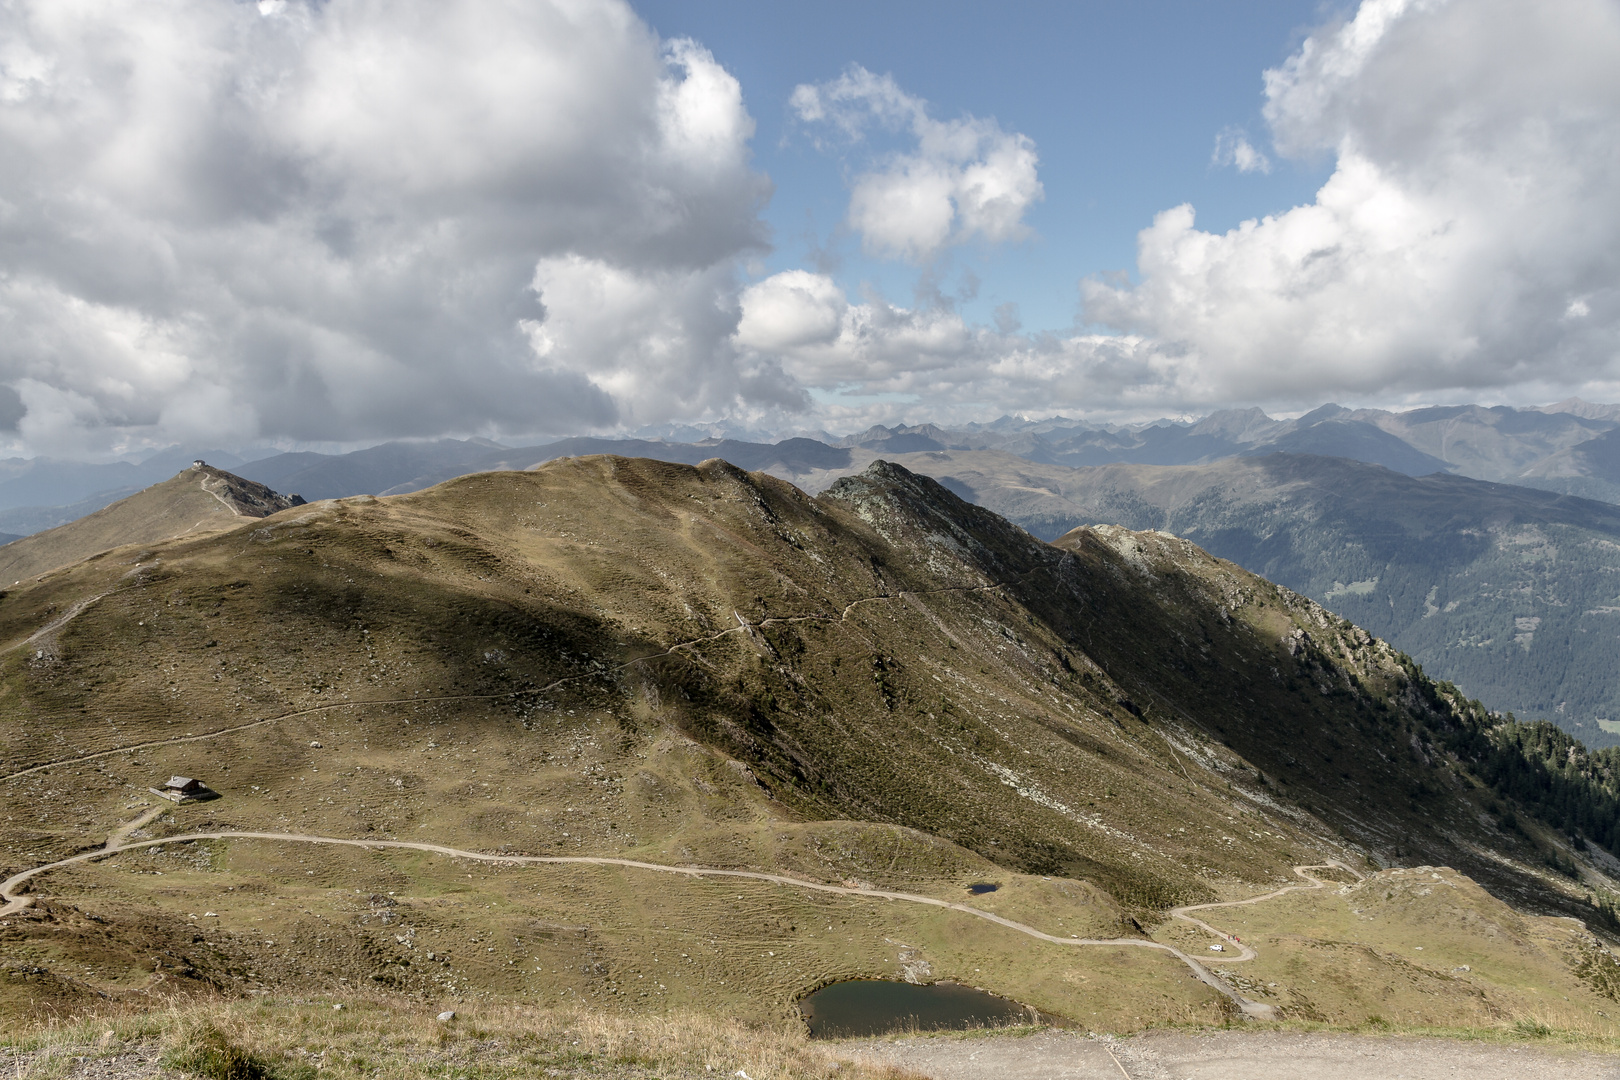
[(878, 1006)]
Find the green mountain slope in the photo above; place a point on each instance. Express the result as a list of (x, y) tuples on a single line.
[(695, 665)]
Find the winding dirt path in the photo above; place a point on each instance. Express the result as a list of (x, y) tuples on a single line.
[(15, 902), (1170, 1054), (78, 608), (1244, 951), (120, 834)]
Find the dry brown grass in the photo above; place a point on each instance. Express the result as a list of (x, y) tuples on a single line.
[(374, 1039)]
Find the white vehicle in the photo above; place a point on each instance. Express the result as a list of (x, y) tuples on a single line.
[(1217, 948)]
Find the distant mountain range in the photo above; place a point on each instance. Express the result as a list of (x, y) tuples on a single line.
[(1547, 448), (1570, 447), (1405, 522)]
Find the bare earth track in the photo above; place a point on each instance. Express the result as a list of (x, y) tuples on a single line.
[(1244, 951), (15, 901)]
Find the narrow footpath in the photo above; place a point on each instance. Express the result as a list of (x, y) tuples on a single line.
[(15, 900)]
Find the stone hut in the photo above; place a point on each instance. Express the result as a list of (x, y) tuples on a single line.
[(184, 789)]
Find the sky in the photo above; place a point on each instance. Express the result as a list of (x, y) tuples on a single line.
[(1124, 103), (334, 222)]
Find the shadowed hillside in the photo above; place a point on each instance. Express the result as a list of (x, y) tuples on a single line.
[(1506, 591)]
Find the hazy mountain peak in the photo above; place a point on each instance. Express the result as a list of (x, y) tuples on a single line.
[(1239, 425), (1586, 410), (245, 498), (1330, 411), (900, 439)]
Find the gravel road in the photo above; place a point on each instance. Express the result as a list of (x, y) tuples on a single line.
[(1237, 1055)]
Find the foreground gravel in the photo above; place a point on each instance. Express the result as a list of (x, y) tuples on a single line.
[(1236, 1055)]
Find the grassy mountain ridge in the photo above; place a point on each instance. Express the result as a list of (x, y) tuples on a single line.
[(699, 665)]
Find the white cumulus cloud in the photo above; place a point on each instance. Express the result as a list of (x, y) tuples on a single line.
[(1232, 147), (357, 219), (1467, 241), (934, 358), (959, 180), (1470, 214), (656, 338), (344, 219), (804, 321)]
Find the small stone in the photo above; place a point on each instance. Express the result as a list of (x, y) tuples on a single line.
[(337, 1008), (447, 1016)]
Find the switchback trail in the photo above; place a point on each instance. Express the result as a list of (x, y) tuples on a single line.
[(1244, 952), (743, 627), (13, 902)]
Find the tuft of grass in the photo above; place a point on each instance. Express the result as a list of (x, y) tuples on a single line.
[(206, 1052)]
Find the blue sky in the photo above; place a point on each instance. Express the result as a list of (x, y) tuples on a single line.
[(1124, 103)]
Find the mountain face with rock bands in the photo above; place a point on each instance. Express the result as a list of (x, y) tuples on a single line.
[(698, 665)]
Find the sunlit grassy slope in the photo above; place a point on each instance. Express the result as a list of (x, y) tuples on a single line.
[(702, 666)]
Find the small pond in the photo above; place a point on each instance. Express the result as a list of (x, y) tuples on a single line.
[(979, 888), (878, 1006)]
